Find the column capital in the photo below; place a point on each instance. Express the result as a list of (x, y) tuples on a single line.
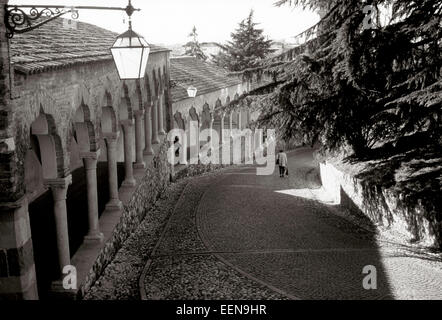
[(111, 136), (138, 113), (127, 123), (6, 206), (59, 187), (90, 155), (60, 183)]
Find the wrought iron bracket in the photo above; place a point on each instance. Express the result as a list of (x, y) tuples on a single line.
[(17, 20)]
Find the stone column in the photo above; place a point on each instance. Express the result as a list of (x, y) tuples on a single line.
[(129, 180), (59, 188), (111, 144), (183, 148), (148, 150), (193, 139), (222, 138), (90, 164), (139, 161), (161, 131), (17, 270), (212, 120), (155, 139), (240, 125)]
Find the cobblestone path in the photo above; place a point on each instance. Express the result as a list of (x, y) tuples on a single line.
[(241, 236)]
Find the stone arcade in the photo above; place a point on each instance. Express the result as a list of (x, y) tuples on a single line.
[(64, 113), (75, 140)]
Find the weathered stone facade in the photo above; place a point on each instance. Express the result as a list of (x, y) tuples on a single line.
[(59, 115)]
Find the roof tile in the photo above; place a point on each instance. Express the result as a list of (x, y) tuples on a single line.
[(186, 71), (53, 46)]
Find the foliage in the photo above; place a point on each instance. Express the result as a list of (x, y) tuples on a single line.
[(372, 92), (360, 87), (247, 48), (193, 47)]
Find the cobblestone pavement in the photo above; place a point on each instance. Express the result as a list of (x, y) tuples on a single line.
[(241, 236)]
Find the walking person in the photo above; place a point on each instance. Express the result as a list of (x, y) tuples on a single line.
[(282, 161)]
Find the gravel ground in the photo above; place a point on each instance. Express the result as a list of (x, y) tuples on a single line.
[(201, 277)]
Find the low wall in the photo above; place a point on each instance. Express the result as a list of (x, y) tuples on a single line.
[(155, 181), (383, 207)]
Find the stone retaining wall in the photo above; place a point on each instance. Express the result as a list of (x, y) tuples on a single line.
[(383, 207), (155, 181)]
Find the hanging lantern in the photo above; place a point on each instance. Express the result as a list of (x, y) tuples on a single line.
[(192, 91), (130, 52)]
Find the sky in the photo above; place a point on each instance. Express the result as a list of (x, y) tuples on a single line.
[(170, 21)]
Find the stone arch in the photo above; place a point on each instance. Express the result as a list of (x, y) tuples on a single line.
[(206, 117), (83, 96), (179, 121), (160, 81), (155, 84), (84, 130), (148, 88), (218, 104), (217, 122), (139, 95), (109, 122), (234, 118), (106, 98), (48, 147), (228, 100), (125, 109), (194, 115)]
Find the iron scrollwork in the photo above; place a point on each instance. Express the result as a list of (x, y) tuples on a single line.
[(18, 21)]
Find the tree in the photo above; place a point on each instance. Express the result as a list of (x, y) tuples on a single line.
[(373, 91), (246, 49), (193, 47), (357, 86)]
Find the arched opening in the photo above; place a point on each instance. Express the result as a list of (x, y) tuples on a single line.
[(109, 169), (206, 118), (180, 123), (43, 161)]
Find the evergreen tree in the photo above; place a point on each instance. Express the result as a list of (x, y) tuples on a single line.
[(373, 91), (246, 49), (193, 47)]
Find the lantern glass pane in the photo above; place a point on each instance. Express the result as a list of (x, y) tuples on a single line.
[(130, 55), (128, 61)]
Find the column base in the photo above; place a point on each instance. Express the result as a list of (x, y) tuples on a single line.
[(114, 205), (94, 237), (129, 183), (148, 152), (140, 165)]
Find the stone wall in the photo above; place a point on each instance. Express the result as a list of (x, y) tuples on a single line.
[(210, 98), (383, 207), (60, 93), (155, 181)]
